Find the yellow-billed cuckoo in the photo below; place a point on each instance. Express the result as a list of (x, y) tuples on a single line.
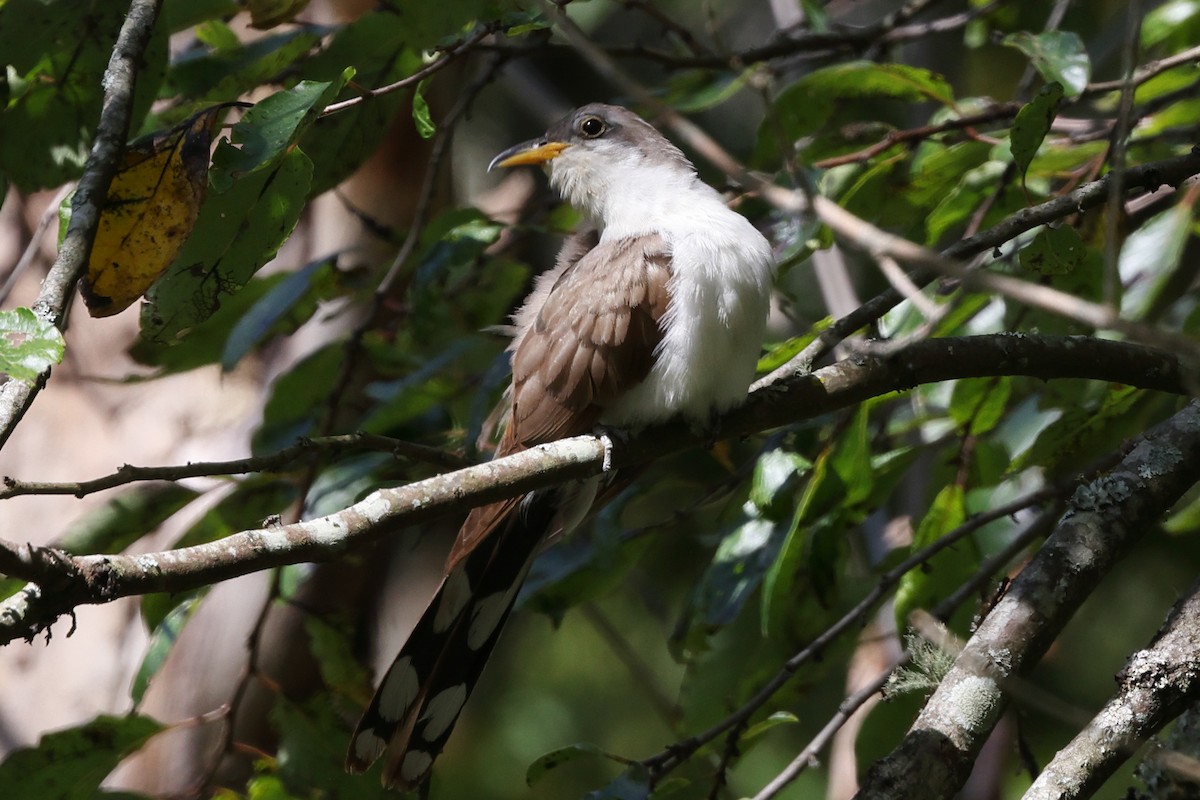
[(656, 307)]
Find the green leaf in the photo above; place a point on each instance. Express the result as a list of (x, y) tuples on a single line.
[(297, 400), (581, 569), (312, 750), (548, 762), (420, 111), (1033, 123), (851, 459), (922, 587), (1175, 20), (161, 641), (285, 303), (339, 143), (125, 518), (701, 90), (804, 106), (1056, 55), (273, 125), (29, 344), (775, 472), (70, 764), (1150, 258), (230, 69), (237, 232), (773, 721), (334, 651), (979, 404), (1053, 251), (55, 52), (739, 565)]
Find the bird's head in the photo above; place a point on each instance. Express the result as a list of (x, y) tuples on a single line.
[(600, 155)]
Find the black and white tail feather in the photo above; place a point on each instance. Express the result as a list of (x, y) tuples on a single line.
[(420, 698)]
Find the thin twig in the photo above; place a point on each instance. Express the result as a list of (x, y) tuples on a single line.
[(679, 752), (448, 56), (284, 459), (49, 216), (111, 131)]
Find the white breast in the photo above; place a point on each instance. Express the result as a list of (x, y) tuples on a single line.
[(713, 330)]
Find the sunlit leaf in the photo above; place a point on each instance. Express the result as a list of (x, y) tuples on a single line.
[(162, 639), (924, 586), (776, 719), (420, 112), (980, 404), (237, 232), (1058, 55), (29, 344), (150, 211)]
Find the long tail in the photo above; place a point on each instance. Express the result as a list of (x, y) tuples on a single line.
[(419, 700)]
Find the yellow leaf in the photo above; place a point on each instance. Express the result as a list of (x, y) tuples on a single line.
[(150, 210)]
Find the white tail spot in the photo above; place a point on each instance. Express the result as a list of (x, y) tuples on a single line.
[(486, 616), (399, 689), (442, 710), (416, 763), (368, 746), (454, 596)]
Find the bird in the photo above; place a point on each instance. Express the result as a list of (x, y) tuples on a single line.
[(656, 307)]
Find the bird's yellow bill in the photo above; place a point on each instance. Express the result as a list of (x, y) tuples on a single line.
[(536, 154)]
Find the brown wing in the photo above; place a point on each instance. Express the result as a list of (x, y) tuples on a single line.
[(592, 339)]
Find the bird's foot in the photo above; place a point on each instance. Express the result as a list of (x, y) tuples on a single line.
[(610, 438)]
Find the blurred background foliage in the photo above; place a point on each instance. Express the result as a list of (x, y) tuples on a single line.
[(352, 254)]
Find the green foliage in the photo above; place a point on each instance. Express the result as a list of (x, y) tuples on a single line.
[(712, 571), (70, 764), (1059, 56), (29, 344)]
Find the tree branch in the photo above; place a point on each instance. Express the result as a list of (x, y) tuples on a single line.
[(102, 578), (1105, 518), (1154, 687), (111, 132)]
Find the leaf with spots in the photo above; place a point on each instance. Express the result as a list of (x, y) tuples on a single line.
[(1054, 251), (148, 214)]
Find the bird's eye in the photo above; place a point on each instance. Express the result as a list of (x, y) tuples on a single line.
[(591, 127)]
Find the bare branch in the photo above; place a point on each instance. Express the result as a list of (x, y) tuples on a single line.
[(287, 458)]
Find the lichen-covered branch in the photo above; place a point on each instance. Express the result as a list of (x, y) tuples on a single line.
[(1105, 518), (1154, 687)]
